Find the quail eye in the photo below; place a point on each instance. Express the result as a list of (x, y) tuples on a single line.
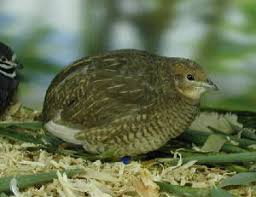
[(3, 59), (190, 77)]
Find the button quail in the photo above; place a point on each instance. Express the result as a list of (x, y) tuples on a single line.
[(128, 101), (8, 76)]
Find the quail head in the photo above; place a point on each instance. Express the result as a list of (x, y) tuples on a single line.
[(8, 76), (129, 101)]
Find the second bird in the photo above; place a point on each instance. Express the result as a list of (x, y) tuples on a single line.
[(8, 76), (127, 101)]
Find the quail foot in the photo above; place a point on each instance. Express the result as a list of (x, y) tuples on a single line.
[(127, 100), (8, 76)]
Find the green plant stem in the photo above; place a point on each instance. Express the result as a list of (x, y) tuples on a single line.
[(223, 158), (25, 181), (236, 168), (199, 137), (249, 134), (215, 158), (183, 190), (26, 125), (20, 136)]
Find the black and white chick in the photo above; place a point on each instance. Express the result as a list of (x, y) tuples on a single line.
[(8, 76)]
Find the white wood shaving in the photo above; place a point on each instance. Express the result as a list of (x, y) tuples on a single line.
[(14, 187)]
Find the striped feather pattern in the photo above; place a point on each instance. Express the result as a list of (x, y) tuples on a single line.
[(124, 100)]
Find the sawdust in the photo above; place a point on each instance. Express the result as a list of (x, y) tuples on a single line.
[(101, 179)]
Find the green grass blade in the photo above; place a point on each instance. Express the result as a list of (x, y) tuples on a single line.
[(214, 143), (25, 181), (24, 125), (183, 190), (199, 138), (223, 158), (218, 192), (244, 178), (20, 136)]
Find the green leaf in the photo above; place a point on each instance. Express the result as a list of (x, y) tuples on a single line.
[(182, 190), (25, 181), (218, 192), (222, 158), (24, 125), (214, 143), (244, 178), (19, 136)]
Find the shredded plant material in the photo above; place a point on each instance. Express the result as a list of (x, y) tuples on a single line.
[(103, 179), (218, 121)]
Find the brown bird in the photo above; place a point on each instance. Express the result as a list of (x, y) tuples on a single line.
[(128, 101)]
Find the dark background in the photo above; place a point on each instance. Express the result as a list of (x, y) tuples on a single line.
[(218, 34)]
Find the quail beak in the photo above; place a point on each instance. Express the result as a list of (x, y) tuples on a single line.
[(209, 85)]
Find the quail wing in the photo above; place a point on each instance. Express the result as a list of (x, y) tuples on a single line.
[(92, 93)]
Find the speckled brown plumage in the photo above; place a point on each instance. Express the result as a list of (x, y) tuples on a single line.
[(129, 101)]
